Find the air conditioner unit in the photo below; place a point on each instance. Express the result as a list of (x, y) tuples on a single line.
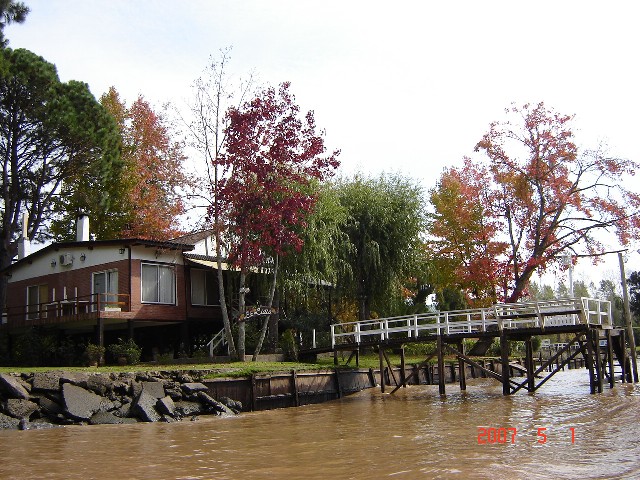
[(66, 259)]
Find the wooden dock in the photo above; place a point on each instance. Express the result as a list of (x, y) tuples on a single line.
[(587, 322)]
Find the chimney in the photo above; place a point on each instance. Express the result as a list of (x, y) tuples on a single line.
[(82, 228), (24, 246)]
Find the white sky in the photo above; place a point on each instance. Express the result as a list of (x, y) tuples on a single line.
[(407, 87)]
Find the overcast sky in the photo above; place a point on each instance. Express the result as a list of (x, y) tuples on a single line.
[(407, 87)]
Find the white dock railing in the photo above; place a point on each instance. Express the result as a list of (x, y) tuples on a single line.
[(540, 314)]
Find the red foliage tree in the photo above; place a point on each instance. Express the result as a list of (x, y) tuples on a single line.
[(543, 196), (263, 190)]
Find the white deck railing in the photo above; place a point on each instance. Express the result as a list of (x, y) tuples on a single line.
[(541, 314)]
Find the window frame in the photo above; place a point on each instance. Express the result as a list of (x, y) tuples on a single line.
[(206, 273), (158, 266)]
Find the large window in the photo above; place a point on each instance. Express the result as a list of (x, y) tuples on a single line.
[(105, 288), (158, 283), (204, 287), (37, 295)]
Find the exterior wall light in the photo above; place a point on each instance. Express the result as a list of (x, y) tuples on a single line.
[(121, 250), (83, 257), (53, 263)]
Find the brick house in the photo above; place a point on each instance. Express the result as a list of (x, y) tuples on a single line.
[(160, 293)]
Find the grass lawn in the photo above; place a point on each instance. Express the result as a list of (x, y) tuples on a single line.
[(236, 369)]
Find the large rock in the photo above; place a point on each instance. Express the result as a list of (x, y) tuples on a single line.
[(145, 408), (19, 407), (99, 384), (108, 418), (214, 404), (7, 422), (166, 406), (49, 407), (47, 381), (12, 386), (234, 405), (80, 404), (194, 387), (185, 408), (155, 389)]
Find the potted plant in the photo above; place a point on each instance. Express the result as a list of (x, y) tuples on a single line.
[(94, 354), (125, 352)]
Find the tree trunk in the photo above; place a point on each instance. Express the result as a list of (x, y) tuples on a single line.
[(223, 301), (265, 324), (241, 320)]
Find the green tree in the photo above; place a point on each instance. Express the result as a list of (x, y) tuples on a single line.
[(633, 283), (49, 131), (11, 12), (384, 224)]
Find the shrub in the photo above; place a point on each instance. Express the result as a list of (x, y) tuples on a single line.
[(127, 349), (94, 353)]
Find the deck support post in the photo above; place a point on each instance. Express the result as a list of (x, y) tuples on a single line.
[(504, 352), (612, 378), (461, 367), (381, 359), (590, 361), (403, 375), (441, 386), (599, 367), (529, 365)]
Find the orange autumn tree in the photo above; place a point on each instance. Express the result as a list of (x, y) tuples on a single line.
[(153, 177), (539, 197), (464, 235)]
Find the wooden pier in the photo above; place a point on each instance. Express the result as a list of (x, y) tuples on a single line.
[(586, 321)]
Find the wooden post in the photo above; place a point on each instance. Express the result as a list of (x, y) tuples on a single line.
[(592, 380), (335, 357), (372, 377), (461, 367), (338, 386), (504, 352), (441, 387), (294, 382), (596, 346), (358, 357), (528, 343), (612, 378), (403, 376), (381, 358), (254, 398)]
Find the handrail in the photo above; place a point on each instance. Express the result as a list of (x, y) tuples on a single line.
[(67, 308), (538, 314), (215, 342)]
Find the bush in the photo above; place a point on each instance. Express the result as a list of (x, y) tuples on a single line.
[(94, 353), (127, 349), (289, 345)]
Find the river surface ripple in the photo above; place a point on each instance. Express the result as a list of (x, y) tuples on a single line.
[(414, 433)]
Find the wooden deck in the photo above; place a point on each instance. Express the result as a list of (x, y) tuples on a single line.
[(587, 321)]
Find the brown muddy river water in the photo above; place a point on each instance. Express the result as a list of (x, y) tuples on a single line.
[(412, 434)]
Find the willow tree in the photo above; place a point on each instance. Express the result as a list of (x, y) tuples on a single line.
[(385, 220)]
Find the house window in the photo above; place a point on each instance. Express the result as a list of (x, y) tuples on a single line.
[(37, 296), (204, 287), (105, 287), (158, 283)]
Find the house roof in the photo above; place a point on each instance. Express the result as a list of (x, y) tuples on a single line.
[(193, 238), (126, 242)]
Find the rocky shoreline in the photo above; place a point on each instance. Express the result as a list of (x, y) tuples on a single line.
[(50, 399)]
